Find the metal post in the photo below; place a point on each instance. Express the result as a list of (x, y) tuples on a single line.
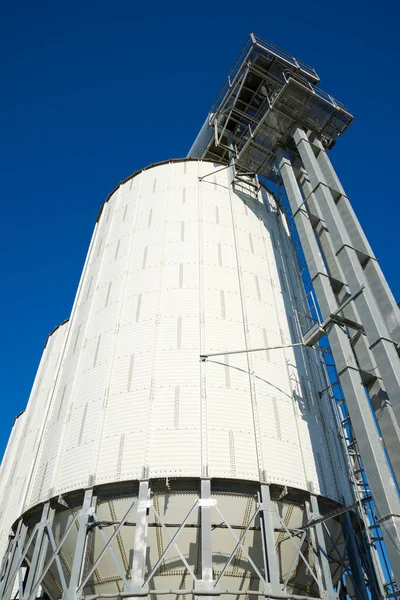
[(388, 424), (370, 374), (6, 564), (206, 547), (372, 271), (138, 569), (268, 540), (39, 551), (322, 554), (379, 476), (205, 585), (12, 557), (84, 516), (313, 543), (354, 558), (378, 335)]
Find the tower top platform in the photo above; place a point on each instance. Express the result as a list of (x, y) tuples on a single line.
[(265, 94)]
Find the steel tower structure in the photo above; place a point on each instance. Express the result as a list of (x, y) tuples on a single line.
[(182, 437), (272, 119)]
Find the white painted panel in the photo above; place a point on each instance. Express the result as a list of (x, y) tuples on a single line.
[(8, 509), (179, 267), (20, 466)]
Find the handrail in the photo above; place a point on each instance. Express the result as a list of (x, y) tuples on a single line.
[(252, 42), (286, 56)]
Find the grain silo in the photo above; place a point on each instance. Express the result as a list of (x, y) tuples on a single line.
[(181, 438)]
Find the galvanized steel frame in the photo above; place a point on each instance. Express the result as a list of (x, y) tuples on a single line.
[(344, 249), (250, 112), (31, 574)]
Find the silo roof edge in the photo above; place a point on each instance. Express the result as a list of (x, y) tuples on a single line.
[(156, 164), (54, 330)]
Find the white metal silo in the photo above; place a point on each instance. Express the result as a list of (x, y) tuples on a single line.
[(21, 455), (195, 471)]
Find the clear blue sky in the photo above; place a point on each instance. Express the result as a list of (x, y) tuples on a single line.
[(92, 91)]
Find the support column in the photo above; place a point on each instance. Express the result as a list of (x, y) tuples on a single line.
[(372, 380), (379, 339), (271, 567), (5, 563), (205, 586), (354, 559), (318, 543), (388, 424), (138, 569), (372, 271), (39, 551), (376, 467), (11, 559), (322, 553), (84, 515)]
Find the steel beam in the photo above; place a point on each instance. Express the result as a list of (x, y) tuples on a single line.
[(271, 567), (138, 568), (378, 473), (372, 271), (39, 552), (361, 555), (107, 546), (354, 560), (11, 558), (54, 556), (378, 335), (239, 543), (206, 585), (7, 561), (79, 553), (206, 546), (313, 545), (171, 542), (383, 408), (18, 562), (322, 554)]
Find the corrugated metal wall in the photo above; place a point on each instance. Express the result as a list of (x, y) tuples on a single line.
[(20, 460), (178, 267)]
